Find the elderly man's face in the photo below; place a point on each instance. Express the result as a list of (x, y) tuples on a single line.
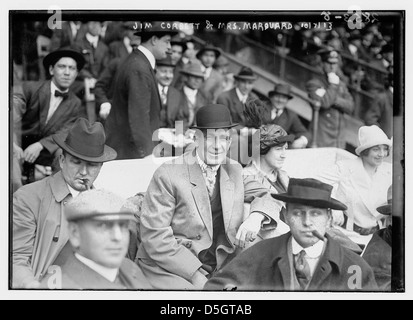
[(213, 145), (104, 242), (64, 73), (164, 75), (77, 173), (303, 220)]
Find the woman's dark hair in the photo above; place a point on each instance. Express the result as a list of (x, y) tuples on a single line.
[(366, 152)]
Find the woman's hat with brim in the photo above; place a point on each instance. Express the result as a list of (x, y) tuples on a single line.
[(386, 208), (209, 47), (193, 68), (214, 116), (272, 135), (282, 89), (310, 192), (370, 136), (246, 74), (86, 141), (55, 56), (156, 29)]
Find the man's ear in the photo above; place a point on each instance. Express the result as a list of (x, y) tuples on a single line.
[(74, 235), (62, 160), (330, 218), (51, 70)]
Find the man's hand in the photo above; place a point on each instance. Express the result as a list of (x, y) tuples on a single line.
[(300, 143), (32, 152), (18, 152), (105, 110), (199, 280), (333, 78), (249, 229)]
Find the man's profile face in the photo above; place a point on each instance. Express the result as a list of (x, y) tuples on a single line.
[(213, 145), (104, 242), (162, 46), (76, 171), (64, 73), (164, 75), (208, 58), (303, 220)]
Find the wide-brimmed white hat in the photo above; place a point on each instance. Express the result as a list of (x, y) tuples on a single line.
[(370, 136)]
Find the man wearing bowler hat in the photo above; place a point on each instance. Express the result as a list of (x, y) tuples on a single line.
[(136, 100), (306, 258), (98, 234), (43, 109), (39, 227), (236, 98), (286, 118), (192, 214), (331, 92)]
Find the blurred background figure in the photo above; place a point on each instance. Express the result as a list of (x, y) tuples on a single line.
[(69, 34), (122, 48)]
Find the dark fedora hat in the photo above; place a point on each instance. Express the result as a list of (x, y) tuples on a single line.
[(283, 89), (167, 62), (310, 192), (245, 73), (86, 141), (329, 54), (55, 56), (214, 116), (209, 47), (386, 208), (193, 68), (156, 28)]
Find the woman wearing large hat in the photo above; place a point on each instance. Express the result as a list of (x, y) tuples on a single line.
[(362, 185)]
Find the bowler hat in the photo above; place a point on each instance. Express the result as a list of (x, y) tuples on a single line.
[(167, 62), (99, 204), (214, 116), (209, 47), (193, 68), (86, 141), (55, 56), (283, 89), (386, 208), (310, 192), (329, 54), (370, 136), (156, 28), (245, 73)]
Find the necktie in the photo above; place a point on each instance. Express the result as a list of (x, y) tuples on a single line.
[(58, 93), (163, 96), (302, 269), (210, 180)]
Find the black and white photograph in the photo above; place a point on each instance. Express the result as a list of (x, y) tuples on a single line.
[(206, 151)]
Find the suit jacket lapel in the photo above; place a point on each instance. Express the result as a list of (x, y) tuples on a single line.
[(237, 104), (227, 195), (58, 115), (44, 104), (200, 194)]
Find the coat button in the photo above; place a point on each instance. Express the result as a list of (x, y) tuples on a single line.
[(328, 115), (188, 245), (198, 237), (64, 202)]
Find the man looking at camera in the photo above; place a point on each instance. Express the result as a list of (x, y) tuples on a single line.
[(39, 227), (306, 258), (192, 215)]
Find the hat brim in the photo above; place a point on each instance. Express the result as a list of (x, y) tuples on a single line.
[(245, 78), (201, 52), (360, 149), (118, 216), (288, 138), (273, 93), (216, 127), (55, 56), (199, 75), (317, 203), (155, 32), (108, 153), (385, 209)]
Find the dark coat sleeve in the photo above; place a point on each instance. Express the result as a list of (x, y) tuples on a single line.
[(297, 128), (103, 85)]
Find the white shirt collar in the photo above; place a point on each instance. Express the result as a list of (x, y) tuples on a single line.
[(107, 273), (204, 166), (161, 88), (313, 252), (148, 55), (241, 97), (73, 192), (190, 92), (206, 71), (53, 88), (92, 39)]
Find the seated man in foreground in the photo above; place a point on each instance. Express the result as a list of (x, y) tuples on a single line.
[(192, 215), (305, 259), (99, 235)]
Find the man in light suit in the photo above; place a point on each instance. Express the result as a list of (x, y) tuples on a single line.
[(236, 98), (136, 100), (45, 108), (98, 223), (192, 215)]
